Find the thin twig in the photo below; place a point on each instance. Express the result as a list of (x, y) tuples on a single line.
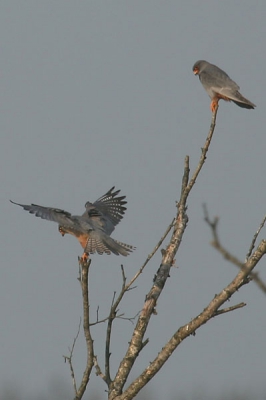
[(101, 321), (111, 317), (255, 238), (130, 319), (158, 245), (229, 309), (204, 152), (69, 358), (213, 224), (98, 369)]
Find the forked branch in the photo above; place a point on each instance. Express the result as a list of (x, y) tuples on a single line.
[(209, 312)]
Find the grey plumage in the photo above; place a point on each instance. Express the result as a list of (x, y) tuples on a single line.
[(93, 228), (219, 85)]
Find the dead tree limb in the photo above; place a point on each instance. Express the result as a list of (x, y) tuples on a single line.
[(84, 281), (136, 343)]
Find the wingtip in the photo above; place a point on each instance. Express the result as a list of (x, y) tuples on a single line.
[(17, 204)]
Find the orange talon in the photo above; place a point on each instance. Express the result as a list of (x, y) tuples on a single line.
[(84, 257), (61, 230)]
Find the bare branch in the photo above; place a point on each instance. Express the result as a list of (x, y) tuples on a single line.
[(185, 175), (111, 317), (101, 321), (226, 254), (189, 329), (228, 309), (136, 343), (98, 369), (255, 238), (84, 273), (130, 319), (114, 304), (255, 277), (204, 152), (69, 358), (158, 245)]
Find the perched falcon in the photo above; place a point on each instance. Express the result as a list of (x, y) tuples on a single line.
[(94, 227), (218, 85)]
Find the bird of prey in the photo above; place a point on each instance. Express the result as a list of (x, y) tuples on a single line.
[(94, 227), (219, 85)]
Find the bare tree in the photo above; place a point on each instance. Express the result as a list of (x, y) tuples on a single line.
[(116, 387)]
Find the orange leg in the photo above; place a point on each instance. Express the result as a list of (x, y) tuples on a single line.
[(215, 100), (214, 104)]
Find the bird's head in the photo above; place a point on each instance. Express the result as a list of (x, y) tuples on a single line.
[(199, 66)]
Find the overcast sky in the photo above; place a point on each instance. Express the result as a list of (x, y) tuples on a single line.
[(101, 93)]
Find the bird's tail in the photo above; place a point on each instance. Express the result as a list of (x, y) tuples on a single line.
[(124, 249), (101, 243), (242, 102)]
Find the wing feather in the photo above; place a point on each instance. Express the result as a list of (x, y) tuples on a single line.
[(109, 206), (62, 217)]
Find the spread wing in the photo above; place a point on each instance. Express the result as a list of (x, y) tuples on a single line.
[(96, 227), (62, 217), (109, 206)]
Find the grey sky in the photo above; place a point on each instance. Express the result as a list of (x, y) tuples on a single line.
[(99, 93)]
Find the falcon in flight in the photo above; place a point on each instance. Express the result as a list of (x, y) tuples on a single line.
[(94, 227), (218, 85)]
